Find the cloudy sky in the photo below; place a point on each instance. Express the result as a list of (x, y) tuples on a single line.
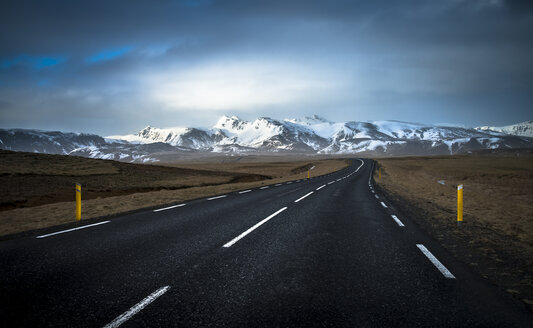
[(113, 67)]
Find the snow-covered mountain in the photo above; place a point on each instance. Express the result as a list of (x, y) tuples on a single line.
[(318, 135), (80, 144), (524, 129), (311, 135)]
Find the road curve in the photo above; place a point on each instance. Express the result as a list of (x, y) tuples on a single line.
[(325, 251)]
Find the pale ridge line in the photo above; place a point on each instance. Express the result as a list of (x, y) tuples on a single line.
[(383, 204), (244, 191), (73, 229), (242, 235), (400, 223), (445, 272), (217, 197), (137, 307), (320, 187), (170, 207), (299, 199)]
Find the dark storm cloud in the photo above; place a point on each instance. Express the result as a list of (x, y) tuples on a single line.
[(112, 67)]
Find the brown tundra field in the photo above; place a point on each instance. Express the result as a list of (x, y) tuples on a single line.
[(37, 190), (496, 238)]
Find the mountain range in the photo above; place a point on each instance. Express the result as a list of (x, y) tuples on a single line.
[(310, 135)]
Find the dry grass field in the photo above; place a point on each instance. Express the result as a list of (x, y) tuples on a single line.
[(37, 190), (496, 238)]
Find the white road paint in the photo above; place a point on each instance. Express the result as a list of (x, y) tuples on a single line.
[(217, 197), (320, 187), (279, 184), (265, 187), (169, 208), (435, 262), (312, 167), (244, 191), (362, 163), (73, 229), (376, 196), (299, 199), (289, 182), (383, 204), (137, 307), (257, 225), (339, 180), (331, 182), (400, 223)]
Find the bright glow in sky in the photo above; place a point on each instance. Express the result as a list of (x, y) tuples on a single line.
[(237, 86)]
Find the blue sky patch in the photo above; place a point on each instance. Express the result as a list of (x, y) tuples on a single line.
[(108, 54), (35, 62)]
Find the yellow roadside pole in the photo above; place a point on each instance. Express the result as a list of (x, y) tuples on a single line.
[(308, 173), (78, 202), (459, 204)]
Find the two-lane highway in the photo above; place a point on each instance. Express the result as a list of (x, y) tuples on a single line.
[(326, 251)]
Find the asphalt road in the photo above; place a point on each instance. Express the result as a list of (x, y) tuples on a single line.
[(277, 256)]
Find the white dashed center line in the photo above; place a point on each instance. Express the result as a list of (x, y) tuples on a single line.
[(242, 235), (320, 187), (136, 308), (244, 191), (383, 204), (299, 199), (265, 187)]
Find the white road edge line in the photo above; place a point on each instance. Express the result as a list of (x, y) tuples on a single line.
[(137, 307), (435, 262), (279, 184), (265, 187), (299, 199), (331, 182), (376, 196), (73, 229), (217, 197), (320, 187), (383, 204), (244, 191), (170, 207), (400, 223), (242, 235)]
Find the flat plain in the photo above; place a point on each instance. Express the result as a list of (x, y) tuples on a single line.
[(38, 189), (496, 237)]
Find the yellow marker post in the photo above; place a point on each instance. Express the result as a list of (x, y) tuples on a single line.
[(459, 204), (78, 202), (308, 174)]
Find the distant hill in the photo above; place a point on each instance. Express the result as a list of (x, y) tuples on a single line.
[(524, 129), (309, 135)]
